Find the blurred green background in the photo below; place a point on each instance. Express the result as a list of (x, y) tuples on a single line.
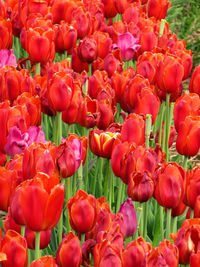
[(184, 20)]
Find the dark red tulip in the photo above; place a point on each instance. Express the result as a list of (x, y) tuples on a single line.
[(169, 185)]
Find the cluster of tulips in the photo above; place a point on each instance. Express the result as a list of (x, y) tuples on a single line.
[(91, 100)]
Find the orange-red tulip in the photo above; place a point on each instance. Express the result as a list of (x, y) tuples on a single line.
[(69, 253), (186, 105), (15, 248), (38, 202), (188, 141), (45, 261), (82, 211), (187, 239), (5, 34), (8, 183), (158, 9), (194, 86)]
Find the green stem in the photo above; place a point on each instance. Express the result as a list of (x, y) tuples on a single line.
[(60, 223), (22, 230), (37, 245), (174, 224), (168, 124), (37, 71), (106, 182), (192, 214), (162, 108), (100, 178), (46, 126), (168, 227), (185, 162), (110, 187), (80, 177), (90, 69), (68, 195), (29, 257), (95, 176), (145, 214), (147, 130), (142, 220), (161, 222), (162, 27)]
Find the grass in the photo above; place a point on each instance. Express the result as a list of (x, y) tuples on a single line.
[(184, 20)]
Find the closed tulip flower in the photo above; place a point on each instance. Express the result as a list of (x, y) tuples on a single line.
[(39, 44), (15, 248), (186, 105), (69, 253), (169, 185), (45, 261), (188, 141), (60, 91), (192, 188), (133, 129), (158, 9), (170, 74), (88, 49), (8, 183), (45, 196), (68, 157), (194, 86), (130, 219), (5, 34), (101, 143), (82, 211)]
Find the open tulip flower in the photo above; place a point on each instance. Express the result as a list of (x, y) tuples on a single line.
[(128, 45), (45, 261)]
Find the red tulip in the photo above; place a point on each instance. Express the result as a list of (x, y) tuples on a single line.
[(39, 158), (69, 253), (186, 59), (82, 22), (5, 34), (45, 261), (65, 37), (68, 157), (87, 49), (109, 8), (158, 9), (170, 74), (192, 189), (45, 236), (194, 86), (133, 129), (60, 91), (82, 211), (15, 248), (103, 42), (188, 141), (186, 105), (187, 239), (40, 45), (8, 183), (195, 259), (45, 197), (106, 254), (122, 161), (169, 185)]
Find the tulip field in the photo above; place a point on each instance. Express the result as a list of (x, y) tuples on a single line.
[(99, 133)]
